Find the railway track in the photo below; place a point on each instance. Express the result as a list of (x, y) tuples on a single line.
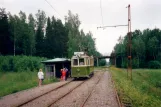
[(19, 99), (44, 93), (57, 93), (50, 105), (51, 97), (88, 96)]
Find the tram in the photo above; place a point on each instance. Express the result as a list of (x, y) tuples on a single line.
[(82, 65)]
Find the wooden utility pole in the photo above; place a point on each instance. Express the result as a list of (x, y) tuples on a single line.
[(129, 34)]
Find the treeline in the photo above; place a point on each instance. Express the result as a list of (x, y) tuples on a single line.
[(43, 36), (146, 49)]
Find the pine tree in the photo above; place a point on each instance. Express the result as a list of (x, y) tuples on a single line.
[(6, 43)]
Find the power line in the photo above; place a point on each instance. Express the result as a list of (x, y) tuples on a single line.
[(101, 11), (53, 8), (57, 12)]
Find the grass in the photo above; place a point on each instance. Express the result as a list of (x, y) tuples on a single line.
[(100, 68), (12, 82), (145, 88)]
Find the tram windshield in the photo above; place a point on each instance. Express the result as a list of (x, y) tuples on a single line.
[(81, 61), (75, 61)]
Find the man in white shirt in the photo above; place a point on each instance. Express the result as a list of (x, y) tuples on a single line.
[(40, 77)]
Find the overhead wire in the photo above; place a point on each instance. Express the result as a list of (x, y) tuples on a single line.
[(54, 9), (101, 12)]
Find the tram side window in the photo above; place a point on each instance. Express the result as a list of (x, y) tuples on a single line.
[(87, 61), (75, 61), (91, 62), (81, 61)]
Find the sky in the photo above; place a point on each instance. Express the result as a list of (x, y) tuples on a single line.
[(144, 14)]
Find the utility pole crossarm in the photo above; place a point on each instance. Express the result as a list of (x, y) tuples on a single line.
[(112, 26), (129, 44)]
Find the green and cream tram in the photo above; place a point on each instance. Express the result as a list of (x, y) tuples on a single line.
[(82, 65)]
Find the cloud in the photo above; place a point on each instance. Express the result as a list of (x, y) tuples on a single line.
[(87, 1), (8, 1)]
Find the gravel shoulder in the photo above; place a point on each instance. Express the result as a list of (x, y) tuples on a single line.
[(103, 95)]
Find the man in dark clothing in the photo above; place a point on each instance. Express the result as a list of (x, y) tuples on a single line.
[(66, 74)]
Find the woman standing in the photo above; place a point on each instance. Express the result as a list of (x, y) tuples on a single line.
[(40, 77)]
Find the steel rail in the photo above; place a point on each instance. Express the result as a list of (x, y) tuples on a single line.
[(49, 105)]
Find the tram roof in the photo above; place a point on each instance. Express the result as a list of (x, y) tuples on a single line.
[(56, 60), (82, 56)]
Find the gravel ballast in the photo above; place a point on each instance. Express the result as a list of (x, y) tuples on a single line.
[(77, 97)]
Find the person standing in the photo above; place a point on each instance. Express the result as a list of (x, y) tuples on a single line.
[(66, 73), (61, 71), (40, 77)]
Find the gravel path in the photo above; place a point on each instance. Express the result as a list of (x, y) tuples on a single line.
[(103, 95), (75, 98), (51, 97), (21, 97)]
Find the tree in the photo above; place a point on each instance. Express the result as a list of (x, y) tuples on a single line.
[(152, 47), (25, 37), (61, 36), (90, 43), (73, 23), (138, 49), (49, 40), (145, 48), (6, 43), (28, 37), (39, 37), (31, 26)]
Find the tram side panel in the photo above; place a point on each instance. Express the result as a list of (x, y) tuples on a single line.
[(83, 71)]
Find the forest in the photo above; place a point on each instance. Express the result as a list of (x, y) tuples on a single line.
[(43, 36), (146, 49)]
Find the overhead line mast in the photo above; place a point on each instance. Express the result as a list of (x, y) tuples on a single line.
[(101, 12), (129, 45)]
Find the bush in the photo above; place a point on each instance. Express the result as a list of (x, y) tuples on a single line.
[(102, 62), (154, 64), (135, 63), (20, 63)]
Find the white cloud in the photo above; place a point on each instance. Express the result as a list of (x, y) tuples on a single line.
[(8, 1)]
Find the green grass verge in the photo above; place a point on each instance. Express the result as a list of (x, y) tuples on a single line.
[(100, 68), (11, 82), (144, 89)]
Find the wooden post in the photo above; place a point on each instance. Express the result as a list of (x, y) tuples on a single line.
[(97, 61), (54, 72), (115, 61)]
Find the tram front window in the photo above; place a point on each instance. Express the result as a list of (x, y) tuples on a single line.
[(75, 61), (81, 61)]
